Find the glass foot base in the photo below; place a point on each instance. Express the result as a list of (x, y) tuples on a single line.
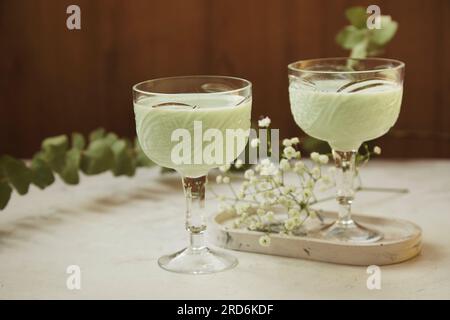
[(197, 261), (350, 232)]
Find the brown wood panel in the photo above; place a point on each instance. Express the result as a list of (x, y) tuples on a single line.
[(419, 44), (53, 80), (249, 41), (445, 79)]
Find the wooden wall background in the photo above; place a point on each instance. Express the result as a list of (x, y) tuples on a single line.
[(54, 81)]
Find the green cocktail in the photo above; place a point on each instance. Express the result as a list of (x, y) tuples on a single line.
[(157, 119), (345, 119), (345, 102), (193, 124)]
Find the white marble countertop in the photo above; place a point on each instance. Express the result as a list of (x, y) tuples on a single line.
[(114, 229)]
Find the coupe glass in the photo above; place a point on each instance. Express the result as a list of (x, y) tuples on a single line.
[(345, 102), (178, 122)]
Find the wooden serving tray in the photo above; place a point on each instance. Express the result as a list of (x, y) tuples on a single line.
[(401, 241)]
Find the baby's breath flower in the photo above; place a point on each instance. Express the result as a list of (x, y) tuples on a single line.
[(289, 224), (225, 168), (314, 156), (277, 179), (242, 209), (285, 190), (307, 193), (315, 172), (282, 200), (296, 220), (287, 142), (294, 212), (254, 142), (265, 188), (290, 152), (299, 167), (290, 203), (252, 225), (248, 174), (264, 240), (268, 168), (263, 185), (264, 123), (377, 150), (238, 163), (269, 216), (285, 165), (269, 194), (323, 159)]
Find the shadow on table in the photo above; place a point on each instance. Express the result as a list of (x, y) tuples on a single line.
[(104, 204), (171, 180), (23, 229)]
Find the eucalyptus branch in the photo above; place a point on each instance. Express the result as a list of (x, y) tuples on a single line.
[(362, 41), (66, 156)]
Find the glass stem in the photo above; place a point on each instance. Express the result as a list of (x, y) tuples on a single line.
[(194, 191), (345, 164)]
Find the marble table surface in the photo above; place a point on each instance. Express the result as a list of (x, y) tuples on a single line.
[(114, 229)]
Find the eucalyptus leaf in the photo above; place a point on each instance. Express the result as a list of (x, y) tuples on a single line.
[(97, 158), (60, 143), (110, 138), (70, 171), (124, 164), (96, 134), (54, 150), (386, 33), (5, 194), (78, 141), (350, 36), (18, 174), (42, 175), (357, 16)]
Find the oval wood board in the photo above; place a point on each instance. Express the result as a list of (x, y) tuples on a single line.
[(401, 241)]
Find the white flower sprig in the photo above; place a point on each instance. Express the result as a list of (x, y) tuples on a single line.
[(264, 189)]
